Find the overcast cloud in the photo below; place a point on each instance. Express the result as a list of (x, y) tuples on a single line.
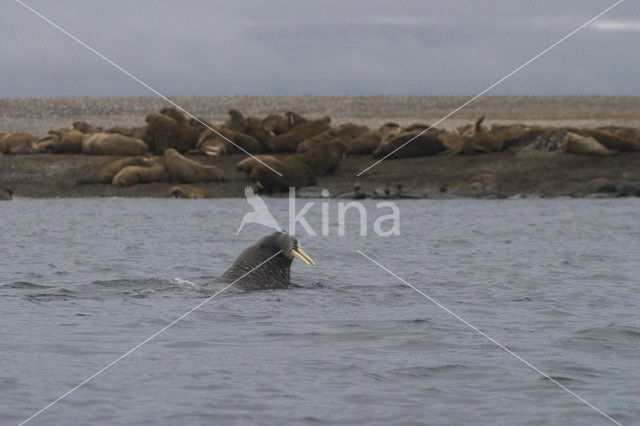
[(320, 47)]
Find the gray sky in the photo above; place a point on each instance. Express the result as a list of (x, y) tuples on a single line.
[(319, 47)]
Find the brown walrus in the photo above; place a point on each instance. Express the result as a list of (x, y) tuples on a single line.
[(294, 173), (256, 130), (84, 127), (199, 125), (190, 171), (18, 143), (561, 139), (169, 129), (276, 124), (343, 133), (132, 175), (622, 139), (289, 141), (222, 141), (236, 121), (187, 192), (585, 145), (69, 142), (294, 118), (124, 131), (297, 172), (323, 157), (481, 139), (247, 164), (368, 142), (411, 144), (107, 172), (112, 144)]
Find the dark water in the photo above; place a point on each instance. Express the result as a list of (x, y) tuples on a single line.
[(557, 281)]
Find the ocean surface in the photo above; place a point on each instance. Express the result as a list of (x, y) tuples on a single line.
[(557, 282)]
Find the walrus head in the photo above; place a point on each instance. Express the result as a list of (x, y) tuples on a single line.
[(266, 264)]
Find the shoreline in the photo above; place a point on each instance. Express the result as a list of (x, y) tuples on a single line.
[(497, 175)]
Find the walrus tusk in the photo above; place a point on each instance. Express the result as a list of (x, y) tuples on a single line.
[(300, 254), (306, 256)]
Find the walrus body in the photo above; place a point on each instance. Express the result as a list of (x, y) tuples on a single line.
[(188, 171), (187, 192), (247, 164), (236, 121), (199, 125), (169, 129), (266, 265), (70, 143), (342, 133), (112, 144), (368, 142), (566, 140), (324, 157), (107, 172), (421, 145), (66, 143), (18, 143), (256, 130), (132, 175), (297, 172), (276, 124), (84, 127), (289, 141), (124, 131), (622, 139), (223, 141), (584, 145), (480, 139), (294, 173)]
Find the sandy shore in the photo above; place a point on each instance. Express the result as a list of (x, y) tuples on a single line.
[(506, 173), (39, 115)]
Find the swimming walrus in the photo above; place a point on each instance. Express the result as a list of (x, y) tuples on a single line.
[(266, 264)]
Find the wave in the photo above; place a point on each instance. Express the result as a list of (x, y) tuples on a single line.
[(126, 288), (23, 285)]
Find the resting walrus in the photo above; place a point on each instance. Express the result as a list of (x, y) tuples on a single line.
[(266, 264), (189, 171)]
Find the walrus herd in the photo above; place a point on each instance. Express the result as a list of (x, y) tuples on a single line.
[(166, 146)]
